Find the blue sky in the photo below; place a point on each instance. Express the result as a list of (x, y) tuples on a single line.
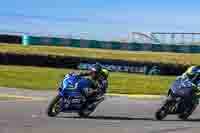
[(99, 19)]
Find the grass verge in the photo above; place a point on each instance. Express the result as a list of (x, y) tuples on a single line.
[(42, 78), (158, 57), (4, 98)]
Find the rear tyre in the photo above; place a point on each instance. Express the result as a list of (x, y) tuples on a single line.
[(84, 113), (54, 107), (184, 116)]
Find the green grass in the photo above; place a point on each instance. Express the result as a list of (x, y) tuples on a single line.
[(163, 57), (6, 98), (41, 78)]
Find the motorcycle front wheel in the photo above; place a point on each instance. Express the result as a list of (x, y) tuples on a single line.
[(162, 112), (54, 107)]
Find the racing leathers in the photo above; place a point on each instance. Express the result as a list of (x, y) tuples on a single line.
[(99, 83)]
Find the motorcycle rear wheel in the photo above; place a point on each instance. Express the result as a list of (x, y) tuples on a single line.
[(184, 116), (84, 113)]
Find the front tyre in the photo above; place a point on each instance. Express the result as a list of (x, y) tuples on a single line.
[(160, 114), (54, 107)]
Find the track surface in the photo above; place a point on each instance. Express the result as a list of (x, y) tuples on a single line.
[(116, 114)]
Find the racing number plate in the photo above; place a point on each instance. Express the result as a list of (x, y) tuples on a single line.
[(76, 100)]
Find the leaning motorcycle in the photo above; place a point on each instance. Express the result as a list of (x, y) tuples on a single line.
[(70, 98), (180, 100)]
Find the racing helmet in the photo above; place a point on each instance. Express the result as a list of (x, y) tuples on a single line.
[(105, 73), (96, 68)]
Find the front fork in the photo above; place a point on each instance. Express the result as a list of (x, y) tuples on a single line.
[(170, 105), (64, 100)]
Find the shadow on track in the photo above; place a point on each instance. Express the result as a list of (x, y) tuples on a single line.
[(193, 120), (127, 118), (179, 120), (108, 118)]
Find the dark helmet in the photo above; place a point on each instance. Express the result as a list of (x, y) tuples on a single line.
[(96, 68)]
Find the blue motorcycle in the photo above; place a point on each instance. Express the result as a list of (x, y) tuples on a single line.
[(70, 98)]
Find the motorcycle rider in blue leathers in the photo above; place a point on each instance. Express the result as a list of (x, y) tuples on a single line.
[(99, 79)]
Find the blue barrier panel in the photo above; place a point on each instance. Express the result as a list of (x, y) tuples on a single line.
[(95, 44), (194, 49), (157, 47), (136, 47), (116, 45)]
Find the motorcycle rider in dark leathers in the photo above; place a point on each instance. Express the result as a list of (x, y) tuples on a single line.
[(192, 74)]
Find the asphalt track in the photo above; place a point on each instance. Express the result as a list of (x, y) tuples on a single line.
[(114, 115)]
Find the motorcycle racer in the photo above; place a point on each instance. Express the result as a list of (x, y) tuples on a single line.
[(192, 74), (99, 79)]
